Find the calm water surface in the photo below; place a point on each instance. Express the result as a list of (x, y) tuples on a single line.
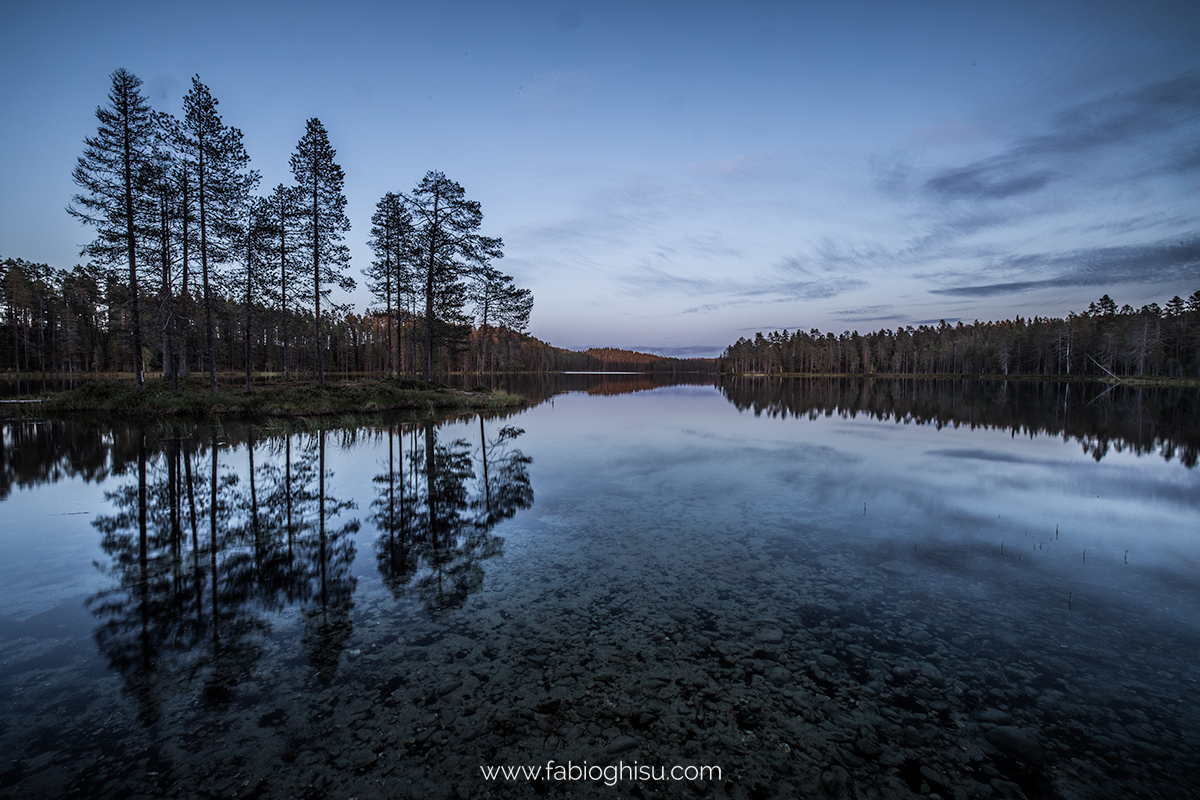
[(821, 588)]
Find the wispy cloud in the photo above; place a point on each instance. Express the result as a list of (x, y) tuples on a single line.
[(994, 180), (1158, 262), (728, 292), (1164, 112), (743, 169), (830, 257), (876, 313), (1075, 200)]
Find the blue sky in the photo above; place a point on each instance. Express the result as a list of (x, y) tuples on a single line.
[(669, 176)]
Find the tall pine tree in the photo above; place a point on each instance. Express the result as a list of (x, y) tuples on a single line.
[(114, 175), (319, 182), (447, 226), (392, 270), (282, 217), (216, 157), (164, 236), (497, 300), (256, 246)]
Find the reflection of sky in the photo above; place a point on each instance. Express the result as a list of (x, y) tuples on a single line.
[(47, 544), (680, 462), (674, 175), (921, 485)]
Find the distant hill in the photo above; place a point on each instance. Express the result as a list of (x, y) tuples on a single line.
[(611, 358)]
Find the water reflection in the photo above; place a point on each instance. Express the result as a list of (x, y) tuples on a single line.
[(1101, 418), (831, 606), (436, 518), (538, 388), (208, 541)]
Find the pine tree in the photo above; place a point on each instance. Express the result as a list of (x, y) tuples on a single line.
[(216, 157), (497, 300), (114, 175), (169, 232), (320, 186), (257, 245), (281, 219), (392, 271), (447, 225)]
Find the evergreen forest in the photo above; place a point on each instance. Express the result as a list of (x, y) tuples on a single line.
[(1102, 342)]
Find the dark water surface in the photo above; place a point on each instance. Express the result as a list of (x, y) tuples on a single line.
[(839, 589)]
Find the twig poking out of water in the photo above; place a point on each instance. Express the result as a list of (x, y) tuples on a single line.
[(1085, 555), (1126, 556), (1069, 600)]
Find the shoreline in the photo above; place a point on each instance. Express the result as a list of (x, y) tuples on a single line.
[(270, 400)]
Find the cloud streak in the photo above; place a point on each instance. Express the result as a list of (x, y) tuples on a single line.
[(1164, 112), (1160, 262)]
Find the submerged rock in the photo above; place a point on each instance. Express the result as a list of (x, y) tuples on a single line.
[(994, 716), (1016, 742), (769, 635), (780, 676), (621, 744)]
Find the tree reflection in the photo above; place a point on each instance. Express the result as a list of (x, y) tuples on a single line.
[(329, 554), (234, 623), (137, 624), (436, 519), (397, 551), (1101, 418), (453, 573), (214, 530), (198, 555), (506, 487)]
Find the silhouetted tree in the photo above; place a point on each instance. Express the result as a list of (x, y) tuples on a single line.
[(319, 181), (281, 216), (447, 226), (497, 301), (215, 155), (114, 174), (393, 268), (256, 245)]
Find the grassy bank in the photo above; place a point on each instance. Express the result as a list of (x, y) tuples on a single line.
[(290, 399)]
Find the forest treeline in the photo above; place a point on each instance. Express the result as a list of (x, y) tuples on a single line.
[(1104, 340), (190, 262), (59, 321)]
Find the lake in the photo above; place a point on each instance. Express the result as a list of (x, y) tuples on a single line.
[(636, 587)]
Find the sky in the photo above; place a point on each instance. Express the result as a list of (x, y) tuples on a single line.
[(671, 176)]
